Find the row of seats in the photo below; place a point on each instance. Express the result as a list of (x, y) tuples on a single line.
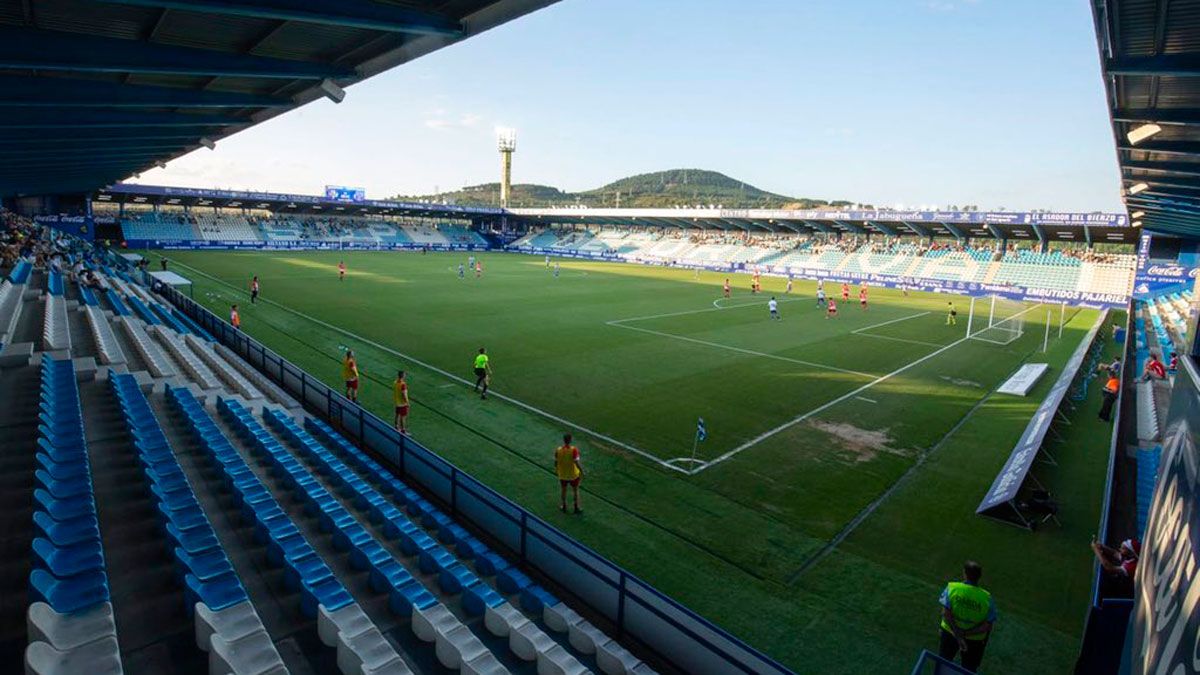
[(1147, 413), (70, 623), (55, 284), (341, 622), (526, 639), (1147, 477), (56, 333), (255, 377), (192, 364), (226, 624), (11, 299), (156, 362), (109, 350), (232, 377)]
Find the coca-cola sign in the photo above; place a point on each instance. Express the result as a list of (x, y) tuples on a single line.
[(1167, 271)]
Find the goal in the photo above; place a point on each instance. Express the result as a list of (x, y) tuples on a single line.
[(997, 320)]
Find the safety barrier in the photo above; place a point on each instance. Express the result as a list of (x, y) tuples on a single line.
[(636, 609)]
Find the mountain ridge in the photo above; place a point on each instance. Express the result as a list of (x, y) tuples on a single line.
[(657, 189)]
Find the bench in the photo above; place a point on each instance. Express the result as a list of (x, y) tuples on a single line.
[(260, 381), (11, 299), (1001, 499), (222, 368)]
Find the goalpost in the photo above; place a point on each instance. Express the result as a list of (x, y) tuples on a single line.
[(997, 320)]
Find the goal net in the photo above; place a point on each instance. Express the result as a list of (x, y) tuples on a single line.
[(997, 320)]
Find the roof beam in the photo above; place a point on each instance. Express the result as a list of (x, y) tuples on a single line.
[(1172, 65), (61, 92), (1181, 168), (32, 49), (51, 118), (818, 225), (953, 229), (887, 229), (858, 229), (103, 136), (42, 145), (1167, 116), (364, 14), (1184, 148), (84, 153)]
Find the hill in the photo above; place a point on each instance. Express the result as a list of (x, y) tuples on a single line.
[(675, 187)]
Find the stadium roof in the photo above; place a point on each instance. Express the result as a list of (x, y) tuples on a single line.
[(131, 193), (97, 90), (1150, 56), (1082, 227)]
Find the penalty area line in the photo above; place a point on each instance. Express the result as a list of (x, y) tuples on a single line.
[(829, 404), (749, 352), (521, 404)]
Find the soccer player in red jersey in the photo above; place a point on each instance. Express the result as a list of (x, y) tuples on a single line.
[(831, 310), (726, 288), (862, 298), (341, 270), (845, 292)]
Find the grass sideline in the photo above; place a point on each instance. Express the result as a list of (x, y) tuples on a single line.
[(735, 542)]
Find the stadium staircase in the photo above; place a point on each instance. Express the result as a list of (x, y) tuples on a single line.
[(169, 509)]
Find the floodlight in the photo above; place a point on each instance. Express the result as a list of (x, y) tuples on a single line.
[(332, 91), (161, 165), (1136, 223), (1137, 214), (208, 143), (506, 139), (1141, 133), (1134, 189)]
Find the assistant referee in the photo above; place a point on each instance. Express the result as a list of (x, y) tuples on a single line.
[(483, 371)]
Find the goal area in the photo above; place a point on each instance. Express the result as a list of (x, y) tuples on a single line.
[(995, 319)]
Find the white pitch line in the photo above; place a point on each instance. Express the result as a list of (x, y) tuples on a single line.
[(825, 406), (896, 339), (456, 378), (888, 323), (868, 400), (740, 350)]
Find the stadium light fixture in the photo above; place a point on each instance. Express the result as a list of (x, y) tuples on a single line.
[(1134, 189), (208, 143), (1137, 214), (332, 91), (1141, 133), (1136, 223), (161, 165)]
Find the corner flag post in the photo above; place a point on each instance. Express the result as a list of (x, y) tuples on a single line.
[(701, 434)]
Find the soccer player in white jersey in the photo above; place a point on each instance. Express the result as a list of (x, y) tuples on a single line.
[(773, 306)]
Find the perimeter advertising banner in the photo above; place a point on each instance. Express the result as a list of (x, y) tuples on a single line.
[(1162, 277), (1164, 635)]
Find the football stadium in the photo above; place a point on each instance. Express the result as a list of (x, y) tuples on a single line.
[(521, 430)]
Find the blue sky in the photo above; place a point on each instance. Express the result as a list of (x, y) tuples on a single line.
[(917, 102)]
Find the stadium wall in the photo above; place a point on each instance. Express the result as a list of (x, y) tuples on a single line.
[(1164, 635), (1155, 277), (239, 245), (636, 609)]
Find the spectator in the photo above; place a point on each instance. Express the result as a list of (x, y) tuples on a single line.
[(1174, 366), (1118, 567), (1154, 370), (968, 614), (1110, 397)]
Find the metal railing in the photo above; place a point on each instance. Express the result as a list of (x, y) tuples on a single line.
[(636, 609), (929, 663)]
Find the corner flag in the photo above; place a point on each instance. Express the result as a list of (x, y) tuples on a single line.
[(701, 432)]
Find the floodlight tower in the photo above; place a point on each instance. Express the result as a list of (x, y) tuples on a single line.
[(506, 141)]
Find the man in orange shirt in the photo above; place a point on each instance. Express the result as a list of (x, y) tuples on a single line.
[(569, 471), (1110, 397), (341, 270), (234, 318)]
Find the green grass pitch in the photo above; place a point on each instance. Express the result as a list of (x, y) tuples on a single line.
[(844, 460)]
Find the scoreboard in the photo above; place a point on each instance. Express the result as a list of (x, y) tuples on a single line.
[(338, 193)]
